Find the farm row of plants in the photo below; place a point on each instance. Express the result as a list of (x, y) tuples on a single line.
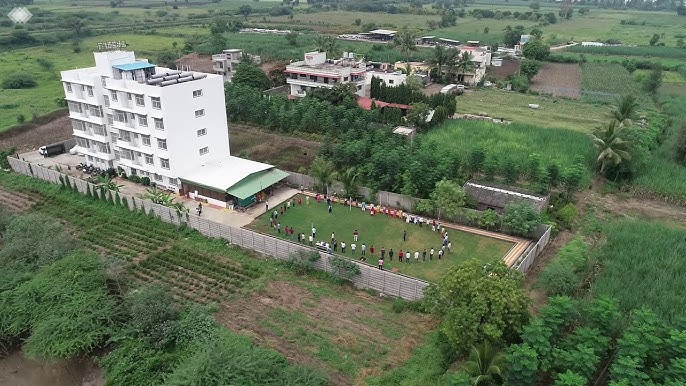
[(604, 82), (643, 51)]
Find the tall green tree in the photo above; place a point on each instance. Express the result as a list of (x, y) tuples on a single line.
[(249, 74), (406, 42), (464, 63), (324, 172), (328, 44), (521, 217), (479, 302), (349, 178), (245, 10), (612, 148), (536, 50), (438, 59), (447, 198), (653, 81)]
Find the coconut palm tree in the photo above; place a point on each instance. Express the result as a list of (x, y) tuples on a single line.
[(464, 63), (624, 110), (483, 365), (323, 170), (437, 58), (107, 182), (406, 42), (452, 56), (157, 196), (328, 44), (349, 180), (612, 149)]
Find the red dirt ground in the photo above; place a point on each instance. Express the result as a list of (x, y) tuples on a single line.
[(509, 67)]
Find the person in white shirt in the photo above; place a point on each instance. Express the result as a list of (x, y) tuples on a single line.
[(416, 256), (311, 239), (407, 257), (314, 232), (352, 248), (342, 246)]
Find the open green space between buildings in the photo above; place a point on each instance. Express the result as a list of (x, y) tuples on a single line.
[(380, 231)]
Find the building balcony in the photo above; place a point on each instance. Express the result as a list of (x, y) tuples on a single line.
[(309, 83), (93, 151), (84, 116)]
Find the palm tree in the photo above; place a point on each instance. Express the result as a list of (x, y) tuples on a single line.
[(107, 182), (328, 44), (483, 365), (452, 55), (349, 180), (437, 58), (406, 42), (464, 63), (612, 149), (157, 196), (625, 109), (323, 171)]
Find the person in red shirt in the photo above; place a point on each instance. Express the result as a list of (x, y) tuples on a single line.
[(400, 255), (300, 200), (371, 250)]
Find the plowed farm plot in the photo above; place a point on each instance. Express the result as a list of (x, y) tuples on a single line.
[(17, 201), (558, 79)]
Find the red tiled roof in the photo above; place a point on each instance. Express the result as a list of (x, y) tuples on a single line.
[(366, 104)]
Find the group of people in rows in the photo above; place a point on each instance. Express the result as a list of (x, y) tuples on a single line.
[(332, 247)]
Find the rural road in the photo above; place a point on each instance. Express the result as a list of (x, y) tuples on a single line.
[(562, 47)]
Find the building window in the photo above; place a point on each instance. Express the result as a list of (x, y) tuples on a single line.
[(125, 135), (202, 132), (99, 130), (104, 147), (114, 96), (159, 124), (140, 100), (199, 113), (83, 88), (149, 159), (119, 116), (107, 100), (78, 125), (110, 119), (145, 139), (204, 150), (90, 91), (197, 93), (133, 117), (162, 143), (164, 162), (156, 104), (128, 96), (172, 181), (95, 111), (68, 85), (143, 120), (390, 81), (158, 177)]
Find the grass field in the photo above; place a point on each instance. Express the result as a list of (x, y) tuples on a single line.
[(643, 266), (348, 333), (554, 113), (383, 232), (45, 96)]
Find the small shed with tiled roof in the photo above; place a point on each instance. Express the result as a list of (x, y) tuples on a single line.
[(490, 196)]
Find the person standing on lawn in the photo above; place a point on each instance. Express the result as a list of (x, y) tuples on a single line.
[(314, 232), (383, 252), (381, 264), (404, 235), (400, 256), (342, 246), (371, 250), (440, 254), (278, 227), (355, 234), (390, 254), (300, 200), (307, 200), (333, 237), (407, 256), (311, 240), (450, 247), (352, 248), (364, 249), (416, 256), (335, 245), (330, 209), (431, 254), (424, 255), (266, 205)]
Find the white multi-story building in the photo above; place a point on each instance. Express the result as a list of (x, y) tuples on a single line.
[(164, 124), (318, 72), (224, 64)]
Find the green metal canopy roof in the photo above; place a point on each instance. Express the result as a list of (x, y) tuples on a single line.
[(255, 183)]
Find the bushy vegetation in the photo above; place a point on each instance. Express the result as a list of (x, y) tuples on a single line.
[(18, 81), (604, 82), (563, 275)]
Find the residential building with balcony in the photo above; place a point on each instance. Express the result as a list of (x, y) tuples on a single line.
[(316, 71), (225, 64), (151, 121)]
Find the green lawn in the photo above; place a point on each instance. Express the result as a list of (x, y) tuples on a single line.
[(560, 113), (381, 231)]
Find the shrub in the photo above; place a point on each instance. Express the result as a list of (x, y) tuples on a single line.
[(566, 215), (135, 178), (145, 181), (18, 81), (563, 275), (521, 218)]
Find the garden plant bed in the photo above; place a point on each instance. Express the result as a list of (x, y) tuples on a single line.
[(17, 201), (558, 79), (381, 231)]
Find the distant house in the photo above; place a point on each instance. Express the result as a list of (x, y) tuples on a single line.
[(495, 197), (316, 71), (389, 78), (366, 104), (380, 34)]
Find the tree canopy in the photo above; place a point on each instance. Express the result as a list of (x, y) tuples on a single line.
[(249, 74)]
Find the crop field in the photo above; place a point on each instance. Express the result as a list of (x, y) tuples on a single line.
[(643, 266), (380, 231), (642, 51), (348, 333), (558, 79), (553, 113), (515, 143), (604, 82)]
